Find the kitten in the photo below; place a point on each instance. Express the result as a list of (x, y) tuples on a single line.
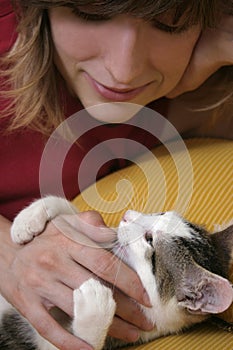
[(183, 269)]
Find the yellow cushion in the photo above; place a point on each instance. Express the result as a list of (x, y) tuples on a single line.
[(197, 181)]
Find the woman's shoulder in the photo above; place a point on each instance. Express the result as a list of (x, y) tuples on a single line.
[(5, 7), (7, 26)]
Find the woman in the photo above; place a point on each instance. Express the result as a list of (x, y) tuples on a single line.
[(73, 54)]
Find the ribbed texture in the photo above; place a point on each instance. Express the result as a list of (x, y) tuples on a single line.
[(202, 337), (196, 182), (200, 188)]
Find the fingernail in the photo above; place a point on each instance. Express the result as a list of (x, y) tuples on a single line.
[(133, 335), (146, 300), (86, 348), (147, 326)]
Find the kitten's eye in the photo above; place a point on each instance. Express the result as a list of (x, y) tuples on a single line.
[(153, 262), (149, 238)]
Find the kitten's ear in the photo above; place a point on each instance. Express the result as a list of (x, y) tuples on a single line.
[(223, 242), (204, 292)]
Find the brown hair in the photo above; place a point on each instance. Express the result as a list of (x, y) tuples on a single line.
[(29, 68)]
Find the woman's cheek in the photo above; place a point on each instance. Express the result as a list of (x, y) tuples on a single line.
[(174, 55)]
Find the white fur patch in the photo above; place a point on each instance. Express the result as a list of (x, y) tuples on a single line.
[(32, 220), (134, 226), (94, 309)]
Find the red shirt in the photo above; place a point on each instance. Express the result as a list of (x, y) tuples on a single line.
[(21, 151)]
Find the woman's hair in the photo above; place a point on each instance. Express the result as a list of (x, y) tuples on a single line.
[(32, 82)]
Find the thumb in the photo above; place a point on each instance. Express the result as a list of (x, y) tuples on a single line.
[(85, 228)]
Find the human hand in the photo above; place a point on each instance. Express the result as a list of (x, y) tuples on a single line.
[(44, 272), (110, 269), (213, 50)]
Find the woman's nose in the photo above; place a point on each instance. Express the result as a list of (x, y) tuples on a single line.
[(126, 53)]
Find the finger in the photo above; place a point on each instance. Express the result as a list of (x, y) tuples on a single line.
[(109, 268), (49, 329), (130, 311), (92, 217), (122, 330), (76, 228), (105, 265), (127, 309), (68, 276), (92, 224), (60, 296), (72, 274)]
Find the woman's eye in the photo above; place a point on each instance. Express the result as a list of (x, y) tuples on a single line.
[(168, 28), (89, 17)]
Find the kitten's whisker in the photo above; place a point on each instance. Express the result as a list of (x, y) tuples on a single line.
[(119, 252), (117, 273), (113, 260)]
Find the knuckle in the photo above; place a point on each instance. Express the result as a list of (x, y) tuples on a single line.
[(48, 260), (91, 217)]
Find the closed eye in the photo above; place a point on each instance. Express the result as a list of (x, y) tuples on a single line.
[(172, 29), (153, 262), (89, 17), (149, 238)]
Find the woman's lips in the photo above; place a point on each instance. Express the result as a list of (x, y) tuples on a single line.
[(114, 94)]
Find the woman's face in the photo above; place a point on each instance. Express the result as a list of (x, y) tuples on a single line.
[(124, 59)]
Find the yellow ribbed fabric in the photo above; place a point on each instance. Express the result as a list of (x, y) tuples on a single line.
[(197, 181), (202, 337)]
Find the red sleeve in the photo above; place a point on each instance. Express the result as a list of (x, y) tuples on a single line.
[(7, 26)]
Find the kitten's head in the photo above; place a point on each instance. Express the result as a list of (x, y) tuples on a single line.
[(178, 262)]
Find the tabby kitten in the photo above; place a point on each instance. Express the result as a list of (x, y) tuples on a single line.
[(183, 269)]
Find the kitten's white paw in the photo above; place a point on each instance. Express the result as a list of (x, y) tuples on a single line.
[(94, 309), (29, 223), (32, 220)]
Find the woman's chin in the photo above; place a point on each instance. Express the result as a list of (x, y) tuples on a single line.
[(113, 112)]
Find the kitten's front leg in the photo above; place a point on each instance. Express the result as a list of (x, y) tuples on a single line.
[(94, 309), (32, 220)]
